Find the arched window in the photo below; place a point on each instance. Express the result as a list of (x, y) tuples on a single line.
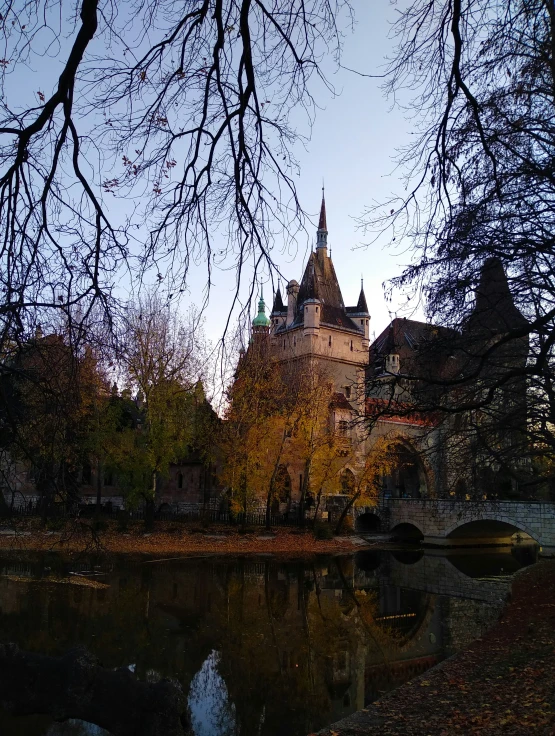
[(347, 482)]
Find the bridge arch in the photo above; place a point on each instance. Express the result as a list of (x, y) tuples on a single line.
[(488, 524), (406, 530), (368, 521)]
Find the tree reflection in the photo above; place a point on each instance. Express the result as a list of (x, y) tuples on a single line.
[(258, 647)]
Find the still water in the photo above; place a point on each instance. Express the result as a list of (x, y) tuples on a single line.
[(260, 647)]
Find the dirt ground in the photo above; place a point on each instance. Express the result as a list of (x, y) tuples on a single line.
[(503, 684), (170, 538)]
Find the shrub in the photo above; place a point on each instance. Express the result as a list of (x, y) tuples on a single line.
[(123, 522), (55, 524), (100, 525), (322, 530)]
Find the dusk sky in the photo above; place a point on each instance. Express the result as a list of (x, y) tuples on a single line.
[(353, 142)]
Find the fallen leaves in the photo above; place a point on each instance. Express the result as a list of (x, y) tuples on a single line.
[(502, 685)]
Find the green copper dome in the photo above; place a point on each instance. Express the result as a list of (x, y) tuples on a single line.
[(261, 320)]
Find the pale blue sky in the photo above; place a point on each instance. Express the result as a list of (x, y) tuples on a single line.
[(353, 142)]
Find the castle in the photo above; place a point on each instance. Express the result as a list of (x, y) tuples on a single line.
[(315, 328)]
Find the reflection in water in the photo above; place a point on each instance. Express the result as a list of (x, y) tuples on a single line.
[(211, 713), (74, 727), (257, 647)]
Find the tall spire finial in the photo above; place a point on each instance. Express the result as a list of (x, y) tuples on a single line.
[(322, 225), (322, 232)]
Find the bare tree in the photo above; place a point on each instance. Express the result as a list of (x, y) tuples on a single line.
[(180, 111), (481, 194)]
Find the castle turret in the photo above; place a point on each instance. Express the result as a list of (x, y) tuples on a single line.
[(392, 363), (261, 323), (311, 316), (279, 312), (292, 293), (361, 316)]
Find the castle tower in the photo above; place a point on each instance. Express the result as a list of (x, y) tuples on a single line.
[(318, 327)]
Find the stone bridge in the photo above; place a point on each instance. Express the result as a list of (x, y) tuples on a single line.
[(446, 522)]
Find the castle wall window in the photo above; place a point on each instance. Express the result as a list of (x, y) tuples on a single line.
[(351, 346), (329, 341), (362, 322), (180, 480)]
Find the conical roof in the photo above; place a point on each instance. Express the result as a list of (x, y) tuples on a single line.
[(278, 302), (494, 310), (362, 306)]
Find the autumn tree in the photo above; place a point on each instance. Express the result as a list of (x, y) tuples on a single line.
[(48, 408), (364, 487), (161, 361)]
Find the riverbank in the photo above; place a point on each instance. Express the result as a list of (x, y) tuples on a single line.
[(503, 683), (173, 538)]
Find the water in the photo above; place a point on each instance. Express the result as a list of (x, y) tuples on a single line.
[(260, 647)]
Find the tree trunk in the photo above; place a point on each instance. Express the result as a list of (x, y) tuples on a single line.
[(270, 495), (346, 511), (99, 474)]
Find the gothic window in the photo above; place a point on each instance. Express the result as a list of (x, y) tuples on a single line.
[(347, 482)]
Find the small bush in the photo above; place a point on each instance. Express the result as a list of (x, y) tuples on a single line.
[(55, 524), (123, 523), (322, 530), (100, 525)]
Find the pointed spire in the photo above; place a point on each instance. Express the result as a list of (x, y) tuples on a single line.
[(362, 306), (278, 302), (322, 224), (322, 232)]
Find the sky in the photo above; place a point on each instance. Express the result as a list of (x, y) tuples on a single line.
[(353, 142)]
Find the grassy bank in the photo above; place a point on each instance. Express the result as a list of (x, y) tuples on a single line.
[(503, 683), (167, 538)]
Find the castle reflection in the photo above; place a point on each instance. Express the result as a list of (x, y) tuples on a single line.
[(259, 647)]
